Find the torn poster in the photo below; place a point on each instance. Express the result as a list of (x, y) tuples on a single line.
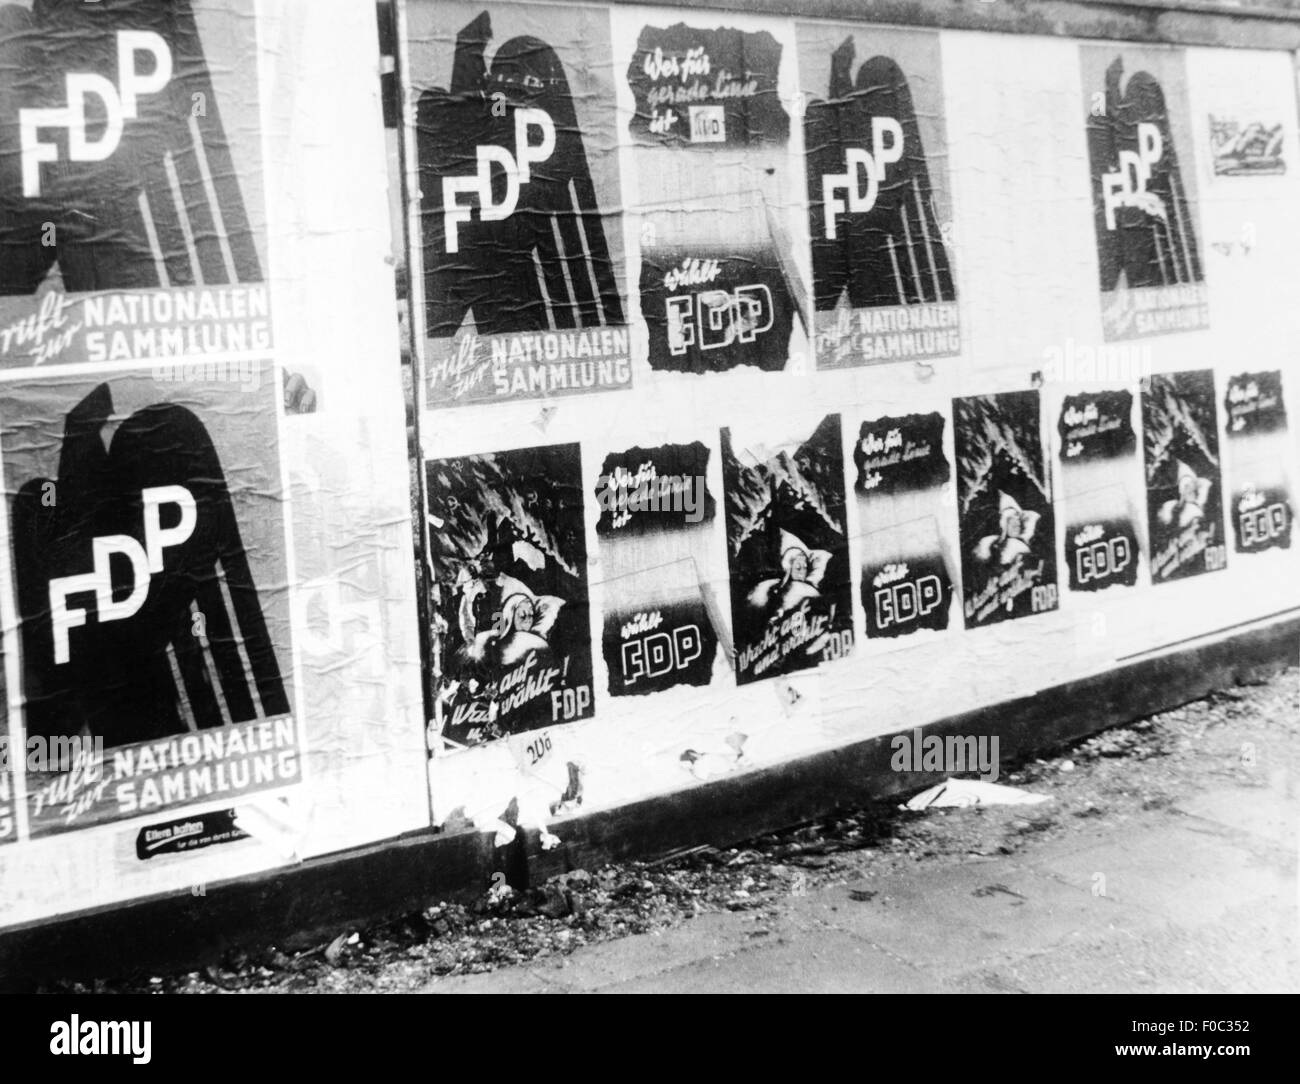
[(901, 476), (1098, 453), (656, 517)]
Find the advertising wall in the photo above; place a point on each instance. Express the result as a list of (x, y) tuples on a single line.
[(820, 380), (776, 383)]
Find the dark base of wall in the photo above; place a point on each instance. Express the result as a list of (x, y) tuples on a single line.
[(325, 895)]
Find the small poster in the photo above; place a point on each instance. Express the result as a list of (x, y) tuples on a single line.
[(656, 516), (708, 134), (1262, 513), (902, 472), (1098, 455)]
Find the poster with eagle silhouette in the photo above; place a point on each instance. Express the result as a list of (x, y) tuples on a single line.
[(1184, 477), (875, 148), (149, 576), (656, 518), (1004, 509), (902, 478), (705, 120), (509, 557), (1255, 420), (132, 212), (1098, 452), (1149, 250), (520, 227), (787, 549)]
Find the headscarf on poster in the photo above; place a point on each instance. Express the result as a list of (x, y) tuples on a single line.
[(1262, 514), (520, 292), (882, 281), (791, 600), (1152, 278), (655, 521), (1098, 447), (1180, 436), (901, 474), (509, 556), (1004, 509)]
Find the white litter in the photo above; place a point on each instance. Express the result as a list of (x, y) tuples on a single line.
[(971, 792)]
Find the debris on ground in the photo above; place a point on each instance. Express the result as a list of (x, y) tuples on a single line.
[(965, 793), (1246, 736)]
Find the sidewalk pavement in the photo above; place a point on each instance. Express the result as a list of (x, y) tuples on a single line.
[(1197, 898)]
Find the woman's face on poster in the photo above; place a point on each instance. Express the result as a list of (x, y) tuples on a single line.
[(525, 616)]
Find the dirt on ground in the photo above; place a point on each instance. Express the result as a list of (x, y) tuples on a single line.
[(1245, 737)]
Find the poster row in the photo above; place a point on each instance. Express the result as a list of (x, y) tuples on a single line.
[(745, 197), (509, 543)]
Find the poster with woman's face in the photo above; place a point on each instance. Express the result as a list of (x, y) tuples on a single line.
[(1180, 436), (1004, 509), (791, 600), (509, 559)]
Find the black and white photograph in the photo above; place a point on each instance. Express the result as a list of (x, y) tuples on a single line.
[(530, 497)]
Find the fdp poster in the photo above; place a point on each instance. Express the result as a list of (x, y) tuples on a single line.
[(1256, 425), (791, 600), (656, 515), (709, 136), (875, 148), (131, 210), (1143, 191), (1004, 508), (148, 558), (902, 474), (519, 217), (510, 562), (1184, 480), (1098, 451)]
